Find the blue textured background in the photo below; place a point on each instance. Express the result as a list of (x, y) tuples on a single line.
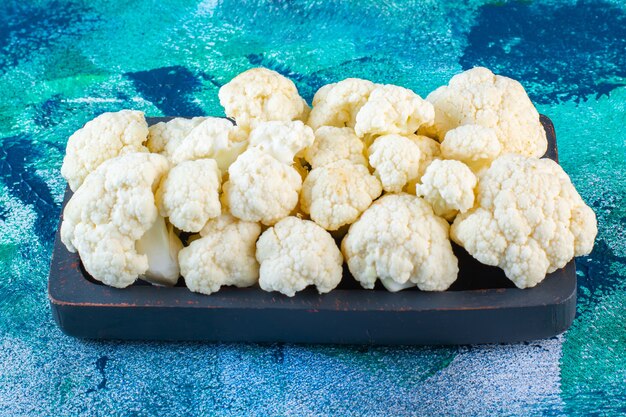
[(63, 62)]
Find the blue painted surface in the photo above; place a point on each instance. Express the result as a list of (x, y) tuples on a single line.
[(170, 89), (564, 52), (63, 62)]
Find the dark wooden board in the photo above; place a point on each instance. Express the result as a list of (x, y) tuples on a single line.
[(481, 307)]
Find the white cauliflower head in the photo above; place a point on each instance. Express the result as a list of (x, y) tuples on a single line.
[(401, 242), (338, 104), (224, 255), (297, 253), (115, 208), (282, 140), (479, 97), (189, 194), (259, 95), (261, 188), (334, 144), (448, 186), (336, 194), (396, 160), (163, 133), (102, 138), (474, 145), (393, 109), (215, 138), (529, 220)]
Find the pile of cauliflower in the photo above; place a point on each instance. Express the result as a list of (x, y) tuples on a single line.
[(391, 176)]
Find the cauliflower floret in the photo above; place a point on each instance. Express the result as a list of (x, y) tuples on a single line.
[(224, 255), (282, 140), (102, 138), (477, 96), (189, 194), (336, 194), (338, 104), (297, 253), (261, 188), (529, 220), (396, 160), (448, 186), (104, 219), (401, 242), (322, 93), (429, 152), (215, 138), (333, 144), (393, 109), (474, 145), (259, 95), (163, 133)]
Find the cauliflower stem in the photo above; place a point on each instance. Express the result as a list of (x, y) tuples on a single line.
[(161, 245)]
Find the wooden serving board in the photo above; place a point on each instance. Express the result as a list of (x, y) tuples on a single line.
[(482, 306)]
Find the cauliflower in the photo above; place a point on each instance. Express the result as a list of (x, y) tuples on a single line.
[(135, 187), (474, 145), (282, 140), (529, 220), (261, 188), (114, 209), (260, 95), (336, 194), (102, 138), (338, 104), (393, 109), (477, 96), (297, 253), (215, 138), (161, 246), (448, 186), (429, 152), (322, 92), (429, 148), (396, 160), (333, 144), (401, 242), (224, 255), (171, 132), (189, 194)]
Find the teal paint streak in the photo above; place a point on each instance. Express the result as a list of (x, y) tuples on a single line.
[(81, 70), (593, 152)]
